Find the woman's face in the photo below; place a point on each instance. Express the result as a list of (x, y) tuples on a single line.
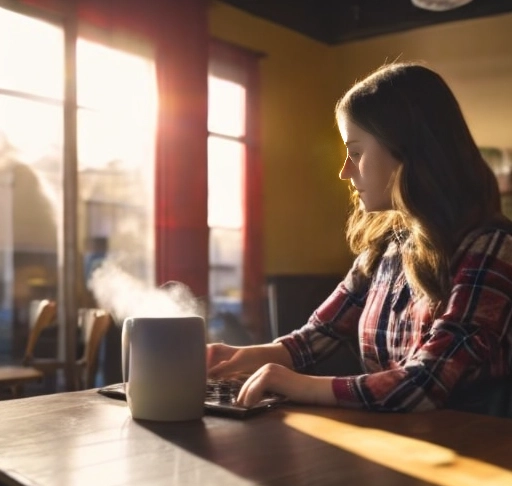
[(369, 166)]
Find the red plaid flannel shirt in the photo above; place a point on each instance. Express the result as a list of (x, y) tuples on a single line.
[(412, 361)]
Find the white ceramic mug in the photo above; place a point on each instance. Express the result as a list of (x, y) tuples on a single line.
[(164, 367)]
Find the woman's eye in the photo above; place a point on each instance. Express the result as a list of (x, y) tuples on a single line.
[(354, 156)]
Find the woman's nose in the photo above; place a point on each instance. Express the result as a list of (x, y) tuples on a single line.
[(345, 172)]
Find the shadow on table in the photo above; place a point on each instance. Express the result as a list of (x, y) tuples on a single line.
[(252, 449)]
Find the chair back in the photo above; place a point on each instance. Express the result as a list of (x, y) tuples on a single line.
[(94, 336), (46, 314)]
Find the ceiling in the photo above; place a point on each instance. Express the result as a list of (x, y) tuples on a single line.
[(336, 21)]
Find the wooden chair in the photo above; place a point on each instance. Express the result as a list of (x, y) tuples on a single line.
[(94, 332), (93, 325), (47, 366), (96, 323), (16, 376)]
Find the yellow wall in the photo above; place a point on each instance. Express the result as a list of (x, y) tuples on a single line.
[(305, 203)]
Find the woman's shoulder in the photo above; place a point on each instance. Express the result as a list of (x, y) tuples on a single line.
[(499, 225), (493, 237)]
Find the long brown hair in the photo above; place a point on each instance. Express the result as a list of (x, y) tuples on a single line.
[(443, 187)]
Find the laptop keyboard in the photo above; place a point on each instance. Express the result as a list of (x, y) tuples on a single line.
[(223, 390)]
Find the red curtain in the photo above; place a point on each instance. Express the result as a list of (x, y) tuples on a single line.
[(242, 65), (178, 30)]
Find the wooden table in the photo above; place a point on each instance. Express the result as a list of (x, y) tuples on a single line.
[(82, 438)]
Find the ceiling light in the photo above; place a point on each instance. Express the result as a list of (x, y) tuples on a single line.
[(439, 5)]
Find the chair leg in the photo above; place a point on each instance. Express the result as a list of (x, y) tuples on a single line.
[(17, 391), (79, 376)]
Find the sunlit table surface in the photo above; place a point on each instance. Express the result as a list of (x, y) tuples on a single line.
[(83, 438)]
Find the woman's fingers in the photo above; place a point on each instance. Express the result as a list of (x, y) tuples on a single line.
[(225, 369), (250, 393), (217, 353), (226, 362), (268, 378)]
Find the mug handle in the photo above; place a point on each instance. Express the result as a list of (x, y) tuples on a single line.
[(125, 351)]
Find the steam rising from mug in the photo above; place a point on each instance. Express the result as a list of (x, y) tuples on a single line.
[(123, 295)]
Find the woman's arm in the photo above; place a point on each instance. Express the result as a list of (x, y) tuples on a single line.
[(314, 339), (463, 344), (314, 390)]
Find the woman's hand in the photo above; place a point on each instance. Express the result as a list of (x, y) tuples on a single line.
[(296, 387), (223, 361), (218, 353)]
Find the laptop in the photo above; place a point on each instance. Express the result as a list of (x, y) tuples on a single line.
[(220, 398)]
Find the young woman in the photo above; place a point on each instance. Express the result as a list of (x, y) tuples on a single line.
[(429, 295)]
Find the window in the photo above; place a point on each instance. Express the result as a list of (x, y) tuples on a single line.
[(116, 118), (235, 191), (226, 158), (117, 98), (31, 140)]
